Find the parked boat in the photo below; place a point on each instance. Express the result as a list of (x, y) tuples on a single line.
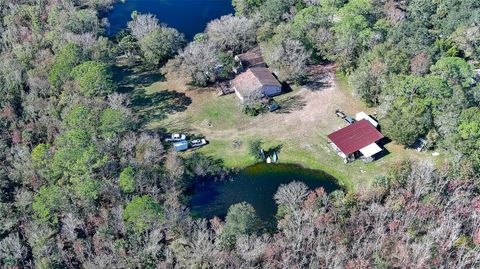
[(269, 160), (274, 157), (262, 154)]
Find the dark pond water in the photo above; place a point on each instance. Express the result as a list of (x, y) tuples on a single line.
[(187, 16), (255, 185)]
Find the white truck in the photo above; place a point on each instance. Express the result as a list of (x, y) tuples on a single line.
[(175, 137)]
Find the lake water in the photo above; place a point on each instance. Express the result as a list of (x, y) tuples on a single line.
[(255, 185), (187, 16)]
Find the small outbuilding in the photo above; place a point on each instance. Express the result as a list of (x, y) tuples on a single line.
[(251, 58), (357, 140), (364, 116), (256, 79)]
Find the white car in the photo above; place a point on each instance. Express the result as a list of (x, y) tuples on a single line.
[(198, 143), (175, 137)]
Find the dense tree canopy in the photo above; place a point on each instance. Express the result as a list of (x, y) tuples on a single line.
[(83, 186), (141, 212), (240, 220), (232, 33), (65, 60), (94, 78), (161, 44)]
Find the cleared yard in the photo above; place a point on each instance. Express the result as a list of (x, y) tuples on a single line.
[(300, 127)]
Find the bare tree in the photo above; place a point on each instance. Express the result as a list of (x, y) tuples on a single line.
[(149, 149), (198, 62), (420, 64), (142, 24), (232, 33), (291, 195), (287, 57), (174, 165)]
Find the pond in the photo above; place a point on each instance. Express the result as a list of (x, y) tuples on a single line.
[(187, 16), (255, 185)]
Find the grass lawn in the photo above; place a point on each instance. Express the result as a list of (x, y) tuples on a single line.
[(299, 128)]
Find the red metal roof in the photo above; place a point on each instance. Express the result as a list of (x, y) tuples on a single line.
[(355, 136)]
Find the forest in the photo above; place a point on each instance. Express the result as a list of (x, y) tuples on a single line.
[(83, 185)]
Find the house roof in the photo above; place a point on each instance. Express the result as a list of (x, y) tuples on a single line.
[(254, 79), (252, 57), (355, 136)]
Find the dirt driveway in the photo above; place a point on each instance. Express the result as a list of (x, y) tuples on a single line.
[(304, 112), (300, 127)]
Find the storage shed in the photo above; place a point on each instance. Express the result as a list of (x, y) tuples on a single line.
[(251, 58), (364, 116), (256, 79), (357, 140)]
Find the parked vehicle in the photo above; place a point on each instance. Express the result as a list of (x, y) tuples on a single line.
[(349, 120), (181, 145), (340, 114), (273, 106), (420, 144), (198, 143), (175, 137)]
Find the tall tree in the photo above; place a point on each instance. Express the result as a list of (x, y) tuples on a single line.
[(142, 213), (94, 79), (65, 60), (232, 33), (241, 219), (161, 44)]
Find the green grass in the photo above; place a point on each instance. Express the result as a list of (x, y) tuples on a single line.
[(168, 106), (232, 156)]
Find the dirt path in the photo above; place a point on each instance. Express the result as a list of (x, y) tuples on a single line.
[(300, 127), (306, 112)]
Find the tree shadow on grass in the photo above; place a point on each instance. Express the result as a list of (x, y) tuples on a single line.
[(320, 76), (158, 105), (276, 149), (131, 78), (291, 104), (319, 82)]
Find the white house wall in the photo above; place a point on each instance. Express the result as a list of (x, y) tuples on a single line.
[(271, 90)]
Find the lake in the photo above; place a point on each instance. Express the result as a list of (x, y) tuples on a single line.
[(187, 16), (255, 185)]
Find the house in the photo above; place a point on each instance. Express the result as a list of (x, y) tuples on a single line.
[(364, 116), (180, 145), (256, 79), (251, 58), (357, 140)]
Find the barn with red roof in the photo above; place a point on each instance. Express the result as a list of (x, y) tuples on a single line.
[(358, 139)]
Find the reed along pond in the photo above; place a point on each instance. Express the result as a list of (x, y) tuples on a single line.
[(187, 16), (255, 185)]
